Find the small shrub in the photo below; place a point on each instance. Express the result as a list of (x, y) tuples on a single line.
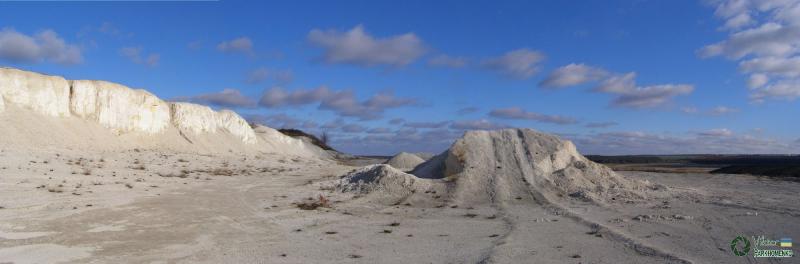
[(314, 204)]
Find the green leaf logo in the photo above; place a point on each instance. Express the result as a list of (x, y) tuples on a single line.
[(745, 248)]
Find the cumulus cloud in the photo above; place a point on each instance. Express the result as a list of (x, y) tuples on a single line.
[(43, 46), (343, 102), (447, 61), (481, 124), (717, 132), (135, 55), (519, 113), (356, 47), (238, 45), (517, 64), (601, 124), (277, 96), (573, 74), (623, 86), (716, 111), (631, 95), (765, 40), (230, 98)]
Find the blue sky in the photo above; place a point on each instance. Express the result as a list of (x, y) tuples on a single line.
[(616, 77)]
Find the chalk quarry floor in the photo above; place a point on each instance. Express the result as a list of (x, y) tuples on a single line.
[(157, 207)]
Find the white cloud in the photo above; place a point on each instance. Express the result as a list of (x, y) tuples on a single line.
[(238, 45), (135, 55), (623, 86), (573, 74), (765, 40), (448, 61), (779, 66), (519, 113), (757, 80), (630, 95), (343, 102), (44, 46), (787, 89), (716, 111), (230, 98), (359, 48), (277, 96), (517, 64)]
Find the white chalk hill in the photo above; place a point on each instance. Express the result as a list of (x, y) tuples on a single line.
[(498, 167), (39, 111), (404, 161)]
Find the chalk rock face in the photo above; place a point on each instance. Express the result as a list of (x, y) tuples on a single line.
[(275, 141), (237, 126), (44, 94), (513, 164), (194, 118), (405, 161), (118, 107), (200, 119)]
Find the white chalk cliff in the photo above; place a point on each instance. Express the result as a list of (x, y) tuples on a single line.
[(123, 110)]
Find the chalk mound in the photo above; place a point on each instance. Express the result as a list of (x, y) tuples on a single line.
[(514, 164), (388, 185), (425, 155), (505, 166), (404, 161)]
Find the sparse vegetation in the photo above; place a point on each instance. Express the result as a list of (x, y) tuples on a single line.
[(313, 204), (295, 133), (222, 172)]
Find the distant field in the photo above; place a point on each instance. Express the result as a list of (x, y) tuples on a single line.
[(779, 166)]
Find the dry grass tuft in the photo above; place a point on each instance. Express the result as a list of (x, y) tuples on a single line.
[(314, 204)]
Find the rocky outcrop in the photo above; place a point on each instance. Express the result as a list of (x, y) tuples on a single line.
[(44, 94), (509, 164), (200, 119), (118, 107)]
